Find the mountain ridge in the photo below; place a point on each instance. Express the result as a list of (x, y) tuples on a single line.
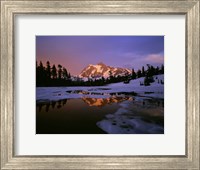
[(102, 70)]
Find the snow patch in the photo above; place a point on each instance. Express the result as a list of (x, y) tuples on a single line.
[(123, 121), (155, 90)]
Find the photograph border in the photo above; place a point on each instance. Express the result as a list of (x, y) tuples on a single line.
[(10, 9)]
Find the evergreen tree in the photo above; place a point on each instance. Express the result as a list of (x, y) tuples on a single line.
[(69, 76), (65, 73), (146, 81), (37, 74), (59, 71), (41, 67), (162, 69), (133, 76), (111, 76), (143, 71), (48, 70), (149, 75), (139, 73), (148, 70), (153, 71), (157, 70), (54, 72), (37, 70), (41, 74)]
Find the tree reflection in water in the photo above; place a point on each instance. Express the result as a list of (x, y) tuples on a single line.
[(89, 101), (53, 104)]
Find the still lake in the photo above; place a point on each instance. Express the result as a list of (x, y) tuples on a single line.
[(123, 114)]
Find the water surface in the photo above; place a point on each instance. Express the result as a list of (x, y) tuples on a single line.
[(116, 114)]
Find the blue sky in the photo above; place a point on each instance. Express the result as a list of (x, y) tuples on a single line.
[(76, 52)]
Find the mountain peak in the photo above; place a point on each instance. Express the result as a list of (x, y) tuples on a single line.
[(102, 70)]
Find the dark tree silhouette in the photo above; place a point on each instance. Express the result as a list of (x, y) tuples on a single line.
[(65, 73), (157, 70), (41, 74), (59, 71), (143, 71), (162, 69), (146, 81), (111, 77), (47, 76), (133, 76), (54, 72), (139, 73), (48, 70), (69, 76)]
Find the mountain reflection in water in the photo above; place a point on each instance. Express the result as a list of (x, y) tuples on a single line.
[(89, 101), (104, 101), (116, 114)]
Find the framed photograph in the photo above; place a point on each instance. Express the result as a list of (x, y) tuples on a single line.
[(135, 99), (100, 84)]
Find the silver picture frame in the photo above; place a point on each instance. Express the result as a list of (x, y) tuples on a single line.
[(11, 8)]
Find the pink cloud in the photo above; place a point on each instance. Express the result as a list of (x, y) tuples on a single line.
[(156, 58)]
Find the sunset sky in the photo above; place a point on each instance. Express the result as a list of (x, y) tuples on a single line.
[(76, 52)]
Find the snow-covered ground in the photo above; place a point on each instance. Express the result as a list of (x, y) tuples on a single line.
[(155, 90), (126, 121)]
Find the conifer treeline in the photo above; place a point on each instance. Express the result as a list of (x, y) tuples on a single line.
[(59, 76), (51, 76)]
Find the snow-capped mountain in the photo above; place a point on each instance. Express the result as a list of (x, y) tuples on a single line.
[(102, 70)]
